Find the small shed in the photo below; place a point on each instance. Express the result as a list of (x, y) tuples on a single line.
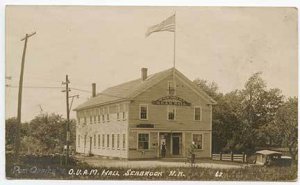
[(265, 157)]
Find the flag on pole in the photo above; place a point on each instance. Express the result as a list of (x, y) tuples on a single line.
[(166, 25)]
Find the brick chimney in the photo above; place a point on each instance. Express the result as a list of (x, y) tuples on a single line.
[(144, 73), (93, 89)]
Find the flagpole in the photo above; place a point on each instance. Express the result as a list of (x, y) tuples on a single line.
[(174, 40), (174, 59)]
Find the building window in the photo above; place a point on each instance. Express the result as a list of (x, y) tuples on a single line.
[(98, 118), (118, 112), (171, 112), (103, 118), (144, 112), (91, 119), (107, 140), (84, 120), (198, 113), (107, 115), (95, 119), (103, 142), (78, 141), (99, 141), (124, 115), (113, 141), (94, 141), (118, 141), (124, 141), (171, 88), (143, 141), (197, 138)]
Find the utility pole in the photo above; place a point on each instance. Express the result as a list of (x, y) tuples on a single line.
[(67, 142), (17, 139), (68, 117)]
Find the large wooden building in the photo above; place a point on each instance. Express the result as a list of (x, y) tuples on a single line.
[(133, 119)]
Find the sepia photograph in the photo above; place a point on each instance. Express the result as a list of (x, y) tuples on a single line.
[(161, 93)]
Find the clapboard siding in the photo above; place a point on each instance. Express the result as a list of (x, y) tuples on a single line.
[(158, 113)]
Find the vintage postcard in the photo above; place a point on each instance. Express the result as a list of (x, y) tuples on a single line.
[(151, 93)]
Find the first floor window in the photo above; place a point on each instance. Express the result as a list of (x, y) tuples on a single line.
[(103, 137), (78, 140), (171, 112), (113, 141), (124, 141), (99, 141), (143, 141), (197, 138), (107, 140), (118, 141), (197, 113), (143, 112)]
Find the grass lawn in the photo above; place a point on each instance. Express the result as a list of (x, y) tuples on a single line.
[(53, 169)]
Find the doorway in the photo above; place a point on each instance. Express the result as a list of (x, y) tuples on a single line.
[(175, 145)]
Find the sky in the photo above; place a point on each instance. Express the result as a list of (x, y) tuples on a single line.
[(107, 46)]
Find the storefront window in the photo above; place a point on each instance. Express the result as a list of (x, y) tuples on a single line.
[(143, 141), (197, 138)]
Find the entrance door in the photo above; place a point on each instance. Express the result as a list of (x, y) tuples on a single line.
[(175, 145)]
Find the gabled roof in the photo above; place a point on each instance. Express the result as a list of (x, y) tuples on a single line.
[(129, 90)]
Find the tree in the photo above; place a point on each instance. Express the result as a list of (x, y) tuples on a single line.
[(210, 88), (259, 106), (286, 122), (44, 134), (225, 117), (10, 129)]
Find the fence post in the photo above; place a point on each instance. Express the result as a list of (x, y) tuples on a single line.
[(243, 157), (231, 156), (220, 156)]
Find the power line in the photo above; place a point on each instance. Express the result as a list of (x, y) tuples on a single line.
[(35, 87), (57, 87)]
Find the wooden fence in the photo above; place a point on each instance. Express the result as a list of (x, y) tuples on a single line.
[(230, 157)]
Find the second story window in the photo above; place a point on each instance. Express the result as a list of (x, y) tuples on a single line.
[(143, 112), (91, 119), (197, 114), (84, 119), (124, 115), (171, 112), (118, 112)]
